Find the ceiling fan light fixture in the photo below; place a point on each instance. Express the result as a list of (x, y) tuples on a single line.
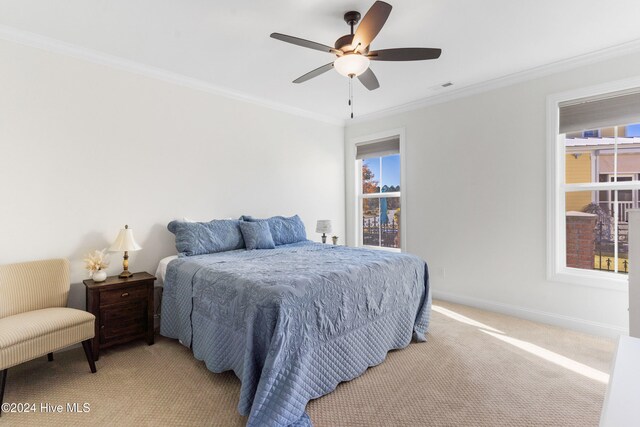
[(352, 64)]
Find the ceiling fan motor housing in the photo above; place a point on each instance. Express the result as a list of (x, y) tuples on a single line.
[(344, 44), (344, 41)]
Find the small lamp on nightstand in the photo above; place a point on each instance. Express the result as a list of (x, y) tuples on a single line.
[(323, 226), (125, 243)]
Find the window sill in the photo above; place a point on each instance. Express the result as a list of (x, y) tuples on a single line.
[(381, 248), (593, 279)]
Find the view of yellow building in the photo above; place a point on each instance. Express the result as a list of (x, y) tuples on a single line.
[(590, 158), (578, 170)]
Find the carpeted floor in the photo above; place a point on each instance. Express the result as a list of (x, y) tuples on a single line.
[(477, 369)]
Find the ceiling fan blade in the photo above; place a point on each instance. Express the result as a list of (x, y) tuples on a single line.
[(369, 80), (304, 43), (405, 54), (371, 25), (314, 73)]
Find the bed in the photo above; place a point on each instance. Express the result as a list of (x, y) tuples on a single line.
[(291, 322)]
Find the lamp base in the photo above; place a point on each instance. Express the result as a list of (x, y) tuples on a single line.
[(324, 238), (125, 274), (125, 265)]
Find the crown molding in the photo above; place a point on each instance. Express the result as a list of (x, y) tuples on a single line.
[(507, 80), (38, 41)]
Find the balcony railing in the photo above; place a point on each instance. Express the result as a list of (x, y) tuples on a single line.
[(375, 233), (623, 209)]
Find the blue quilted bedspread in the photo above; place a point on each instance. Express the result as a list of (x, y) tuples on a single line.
[(295, 321)]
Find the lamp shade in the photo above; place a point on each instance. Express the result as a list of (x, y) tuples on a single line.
[(323, 226), (125, 241)]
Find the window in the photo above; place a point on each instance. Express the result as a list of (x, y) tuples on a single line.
[(633, 130), (594, 182), (379, 193)]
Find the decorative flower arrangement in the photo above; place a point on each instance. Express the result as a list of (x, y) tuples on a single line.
[(96, 261)]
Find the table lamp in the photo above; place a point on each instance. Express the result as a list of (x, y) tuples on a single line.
[(125, 242), (323, 226)]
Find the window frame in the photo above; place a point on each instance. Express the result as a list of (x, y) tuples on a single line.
[(557, 270), (359, 196)]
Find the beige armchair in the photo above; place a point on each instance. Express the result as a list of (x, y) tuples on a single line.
[(34, 318)]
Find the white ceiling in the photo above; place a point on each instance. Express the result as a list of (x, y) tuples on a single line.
[(227, 44)]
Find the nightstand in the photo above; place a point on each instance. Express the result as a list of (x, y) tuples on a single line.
[(123, 310)]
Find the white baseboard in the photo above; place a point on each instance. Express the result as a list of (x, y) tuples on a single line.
[(568, 322)]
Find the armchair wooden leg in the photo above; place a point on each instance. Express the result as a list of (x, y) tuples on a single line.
[(89, 353), (3, 382), (50, 357)]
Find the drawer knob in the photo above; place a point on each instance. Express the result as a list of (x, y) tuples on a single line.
[(126, 294)]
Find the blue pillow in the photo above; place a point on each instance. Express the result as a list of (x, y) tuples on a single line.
[(283, 230), (198, 238), (257, 235)]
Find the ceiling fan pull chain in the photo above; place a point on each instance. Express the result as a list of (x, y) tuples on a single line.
[(351, 94)]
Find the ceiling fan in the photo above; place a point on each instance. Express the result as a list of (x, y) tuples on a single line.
[(352, 50)]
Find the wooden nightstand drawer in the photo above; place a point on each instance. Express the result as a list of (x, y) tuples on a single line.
[(123, 321), (123, 310), (114, 315), (117, 296), (121, 335)]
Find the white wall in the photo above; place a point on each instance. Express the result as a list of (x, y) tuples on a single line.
[(476, 199), (85, 149)]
